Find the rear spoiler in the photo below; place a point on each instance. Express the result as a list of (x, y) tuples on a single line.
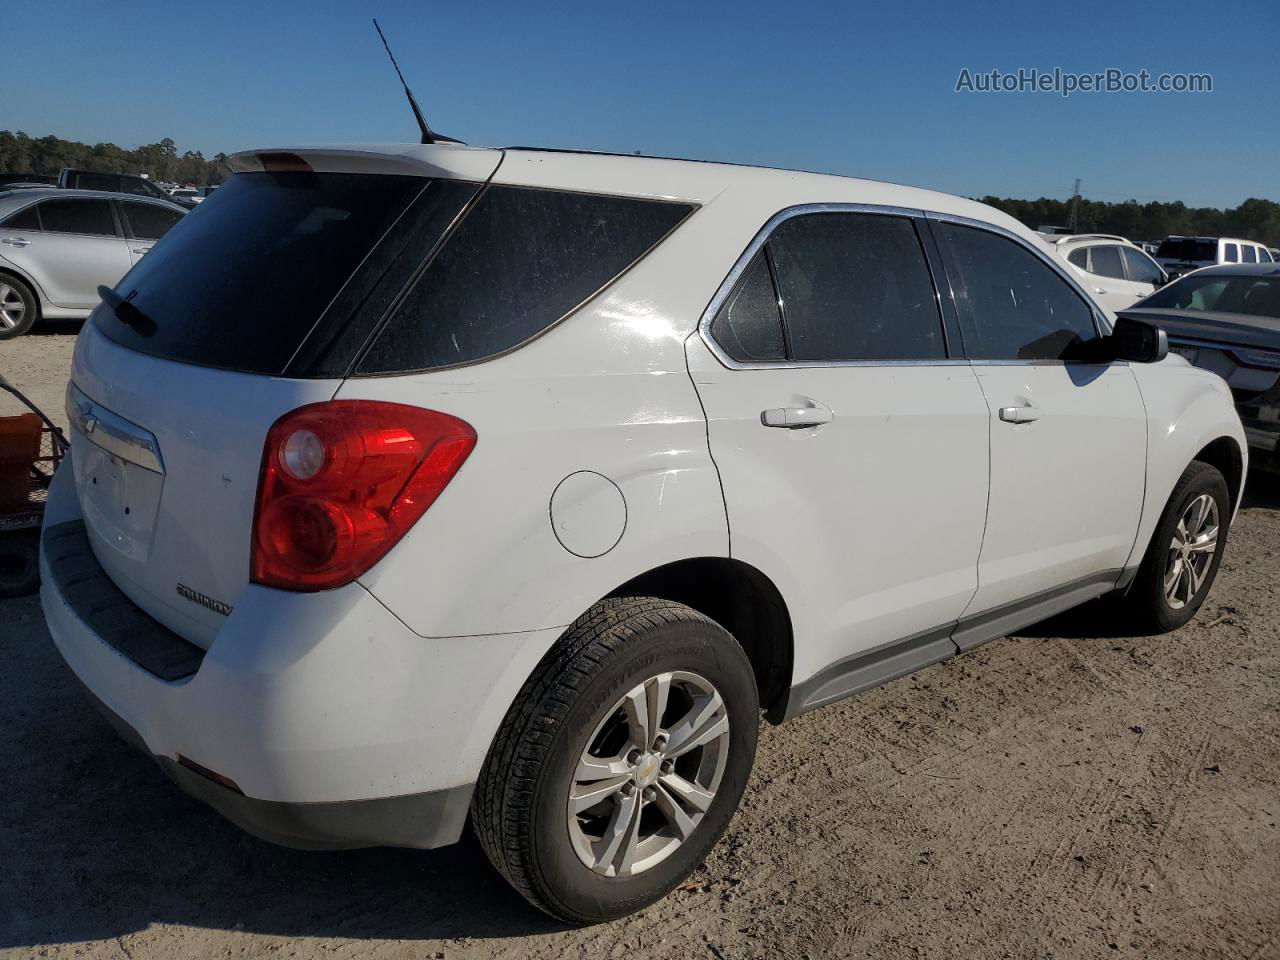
[(447, 161)]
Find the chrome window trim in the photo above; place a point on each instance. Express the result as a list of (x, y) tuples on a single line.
[(759, 240)]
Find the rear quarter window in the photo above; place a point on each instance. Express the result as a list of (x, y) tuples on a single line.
[(520, 261)]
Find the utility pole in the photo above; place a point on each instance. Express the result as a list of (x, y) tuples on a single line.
[(1075, 207)]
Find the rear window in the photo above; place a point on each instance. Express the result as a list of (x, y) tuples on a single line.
[(241, 281), (1187, 248), (522, 259)]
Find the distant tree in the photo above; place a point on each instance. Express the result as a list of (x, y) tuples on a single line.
[(20, 153), (1255, 219)]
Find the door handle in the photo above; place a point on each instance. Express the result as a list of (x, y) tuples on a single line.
[(16, 241), (1027, 414), (1098, 290), (793, 418), (141, 249)]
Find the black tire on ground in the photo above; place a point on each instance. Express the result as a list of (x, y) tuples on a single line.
[(520, 812), (31, 306), (19, 564), (1146, 600)]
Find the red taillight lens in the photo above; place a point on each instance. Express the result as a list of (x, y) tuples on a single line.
[(342, 482)]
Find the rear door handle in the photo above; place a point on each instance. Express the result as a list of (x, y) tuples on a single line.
[(793, 418), (141, 249), (1027, 414), (16, 241)]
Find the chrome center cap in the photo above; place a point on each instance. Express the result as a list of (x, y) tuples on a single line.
[(647, 770)]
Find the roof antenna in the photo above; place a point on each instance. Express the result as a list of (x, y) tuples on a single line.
[(428, 135)]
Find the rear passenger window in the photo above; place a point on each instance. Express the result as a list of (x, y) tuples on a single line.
[(147, 221), (78, 216), (749, 325), (1230, 254), (1248, 255), (855, 286), (1106, 262), (520, 261), (1080, 258), (1012, 305)]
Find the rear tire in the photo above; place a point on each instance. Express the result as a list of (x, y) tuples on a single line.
[(19, 308), (19, 565), (586, 846), (1175, 576)]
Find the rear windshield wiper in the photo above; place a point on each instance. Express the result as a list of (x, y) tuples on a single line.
[(127, 313)]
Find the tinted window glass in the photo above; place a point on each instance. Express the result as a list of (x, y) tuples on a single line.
[(1257, 296), (1105, 262), (95, 181), (749, 326), (520, 260), (856, 287), (1188, 249), (1142, 269), (1231, 253), (1012, 305), (141, 188), (78, 216), (25, 219), (1248, 254), (1080, 258), (242, 284), (1264, 255), (148, 221)]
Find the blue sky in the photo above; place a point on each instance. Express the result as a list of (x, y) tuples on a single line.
[(857, 89)]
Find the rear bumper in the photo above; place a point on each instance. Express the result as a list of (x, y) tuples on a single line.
[(423, 820), (339, 726)]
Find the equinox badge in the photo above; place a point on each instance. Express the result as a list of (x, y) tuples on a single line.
[(217, 606)]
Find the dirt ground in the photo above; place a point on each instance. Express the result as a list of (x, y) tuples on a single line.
[(1071, 792)]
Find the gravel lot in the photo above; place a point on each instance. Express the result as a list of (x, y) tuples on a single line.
[(1071, 792)]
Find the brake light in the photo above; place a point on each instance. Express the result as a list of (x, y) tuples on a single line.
[(342, 482)]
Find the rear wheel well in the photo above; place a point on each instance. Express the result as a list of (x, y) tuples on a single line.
[(1224, 453), (742, 600)]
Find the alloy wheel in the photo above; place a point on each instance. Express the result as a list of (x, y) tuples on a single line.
[(12, 307), (1195, 541), (649, 774)]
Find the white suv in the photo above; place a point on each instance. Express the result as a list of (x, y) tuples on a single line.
[(414, 484), (1116, 273)]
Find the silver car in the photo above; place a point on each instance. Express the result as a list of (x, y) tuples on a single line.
[(57, 246)]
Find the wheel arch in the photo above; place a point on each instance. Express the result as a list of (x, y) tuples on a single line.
[(1225, 454), (741, 599)]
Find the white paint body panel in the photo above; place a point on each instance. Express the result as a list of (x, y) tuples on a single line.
[(1066, 489), (871, 524)]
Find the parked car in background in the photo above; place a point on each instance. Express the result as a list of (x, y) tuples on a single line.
[(1179, 255), (1227, 319), (10, 180), (57, 246), (1116, 273), (349, 622), (190, 195), (71, 179)]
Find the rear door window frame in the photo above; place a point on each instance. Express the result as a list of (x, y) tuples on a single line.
[(952, 342)]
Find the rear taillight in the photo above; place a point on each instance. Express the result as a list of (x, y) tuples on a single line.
[(342, 482)]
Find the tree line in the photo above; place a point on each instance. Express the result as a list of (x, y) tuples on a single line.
[(1254, 219), (20, 153), (1257, 220)]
